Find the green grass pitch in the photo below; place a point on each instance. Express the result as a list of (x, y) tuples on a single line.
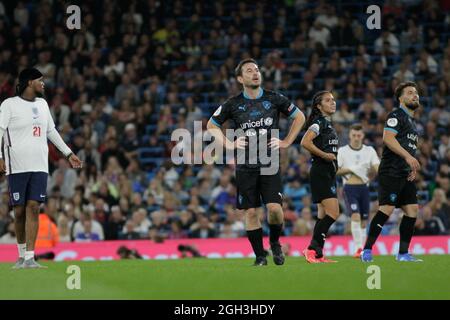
[(205, 279)]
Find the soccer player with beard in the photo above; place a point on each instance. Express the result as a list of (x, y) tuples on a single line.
[(397, 172), (256, 112)]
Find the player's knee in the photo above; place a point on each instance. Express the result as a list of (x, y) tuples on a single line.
[(252, 215), (356, 217), (274, 208), (19, 213), (33, 207), (386, 209)]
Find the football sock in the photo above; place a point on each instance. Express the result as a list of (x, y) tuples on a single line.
[(375, 228), (357, 234), (406, 233), (21, 247), (320, 233), (256, 239), (275, 232)]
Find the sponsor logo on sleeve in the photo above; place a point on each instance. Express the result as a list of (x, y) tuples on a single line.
[(392, 122)]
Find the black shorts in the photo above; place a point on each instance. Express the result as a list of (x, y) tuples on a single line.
[(395, 191), (27, 186), (322, 178), (252, 186), (357, 199)]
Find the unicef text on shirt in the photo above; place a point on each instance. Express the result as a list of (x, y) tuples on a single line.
[(256, 124), (200, 147)]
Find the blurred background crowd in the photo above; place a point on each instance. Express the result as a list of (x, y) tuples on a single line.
[(137, 70)]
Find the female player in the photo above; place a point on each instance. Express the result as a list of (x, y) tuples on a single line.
[(321, 141)]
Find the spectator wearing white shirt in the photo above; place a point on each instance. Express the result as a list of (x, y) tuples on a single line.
[(87, 232), (391, 39), (328, 18), (319, 34), (426, 63), (403, 74)]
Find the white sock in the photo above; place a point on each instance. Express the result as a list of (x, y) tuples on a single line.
[(29, 255), (22, 247), (363, 236), (357, 234)]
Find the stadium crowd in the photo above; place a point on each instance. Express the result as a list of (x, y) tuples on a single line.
[(137, 70)]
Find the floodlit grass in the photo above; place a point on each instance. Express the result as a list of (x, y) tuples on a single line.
[(206, 279)]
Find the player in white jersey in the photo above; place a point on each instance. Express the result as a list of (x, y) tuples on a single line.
[(356, 162), (25, 125)]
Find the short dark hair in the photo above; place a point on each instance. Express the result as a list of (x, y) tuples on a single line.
[(238, 70), (399, 89), (356, 126)]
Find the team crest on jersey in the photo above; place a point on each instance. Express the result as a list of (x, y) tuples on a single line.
[(266, 105), (16, 196), (393, 197)]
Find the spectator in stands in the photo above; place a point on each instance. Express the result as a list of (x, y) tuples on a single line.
[(125, 71), (202, 228), (10, 236), (305, 224), (440, 207), (115, 223), (429, 225), (319, 34), (128, 232), (92, 230), (86, 233), (65, 178), (387, 38), (48, 234), (63, 229)]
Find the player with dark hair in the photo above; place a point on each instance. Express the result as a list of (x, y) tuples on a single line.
[(257, 112), (356, 162), (25, 125), (321, 141), (397, 172)]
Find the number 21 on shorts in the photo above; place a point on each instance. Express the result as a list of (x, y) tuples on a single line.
[(36, 131)]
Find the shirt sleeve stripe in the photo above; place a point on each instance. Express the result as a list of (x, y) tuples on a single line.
[(390, 129), (294, 113), (215, 122)]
